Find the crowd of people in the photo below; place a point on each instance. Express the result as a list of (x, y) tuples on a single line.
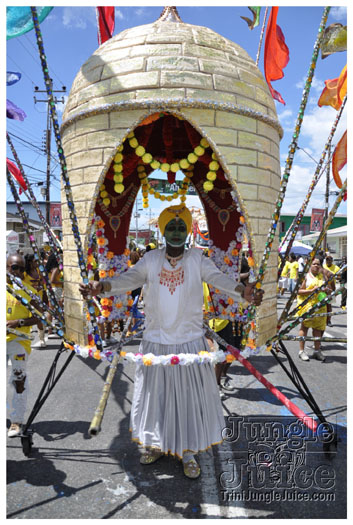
[(321, 269)]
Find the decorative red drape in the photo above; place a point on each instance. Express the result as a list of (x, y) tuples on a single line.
[(276, 53), (106, 23), (13, 169)]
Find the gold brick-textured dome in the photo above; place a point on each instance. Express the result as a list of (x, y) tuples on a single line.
[(169, 59), (193, 74)]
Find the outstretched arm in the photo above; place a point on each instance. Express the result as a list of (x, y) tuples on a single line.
[(212, 275), (130, 280)]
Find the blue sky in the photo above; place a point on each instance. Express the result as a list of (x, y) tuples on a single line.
[(70, 37)]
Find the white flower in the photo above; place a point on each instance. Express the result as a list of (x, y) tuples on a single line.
[(83, 351)]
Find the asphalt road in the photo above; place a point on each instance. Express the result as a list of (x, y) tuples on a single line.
[(269, 466)]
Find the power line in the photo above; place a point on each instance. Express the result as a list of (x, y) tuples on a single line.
[(25, 48), (34, 47), (23, 140), (25, 134), (20, 68)]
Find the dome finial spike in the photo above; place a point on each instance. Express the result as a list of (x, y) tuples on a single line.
[(170, 14)]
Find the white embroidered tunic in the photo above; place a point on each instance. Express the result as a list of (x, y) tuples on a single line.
[(173, 305), (175, 408)]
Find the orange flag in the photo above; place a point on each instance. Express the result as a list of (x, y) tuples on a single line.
[(334, 92), (276, 53), (339, 160)]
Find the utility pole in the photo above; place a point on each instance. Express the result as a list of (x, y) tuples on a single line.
[(48, 141), (327, 194), (137, 215)]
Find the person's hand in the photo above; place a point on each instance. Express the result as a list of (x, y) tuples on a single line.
[(252, 295), (90, 289), (13, 323)]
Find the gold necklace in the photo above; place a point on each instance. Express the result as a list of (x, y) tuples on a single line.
[(114, 220), (223, 214)]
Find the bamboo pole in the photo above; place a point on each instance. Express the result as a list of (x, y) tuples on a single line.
[(96, 422)]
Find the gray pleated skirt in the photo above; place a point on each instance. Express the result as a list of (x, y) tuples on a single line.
[(176, 408)]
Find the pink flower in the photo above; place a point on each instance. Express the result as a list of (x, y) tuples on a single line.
[(174, 360)]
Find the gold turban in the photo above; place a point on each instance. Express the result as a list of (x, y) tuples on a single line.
[(173, 212)]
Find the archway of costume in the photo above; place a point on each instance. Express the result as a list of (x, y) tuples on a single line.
[(169, 142)]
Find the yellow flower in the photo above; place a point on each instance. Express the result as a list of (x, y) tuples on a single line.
[(126, 251), (147, 361), (175, 167), (140, 151), (122, 353), (226, 259), (111, 273), (147, 158), (119, 305), (118, 168), (165, 167), (100, 224), (251, 261), (208, 186), (230, 358), (155, 164), (192, 158), (102, 274), (101, 241), (97, 354), (130, 302), (230, 300), (104, 300), (211, 175), (110, 255), (133, 143), (106, 313), (204, 353), (90, 259), (106, 202), (118, 157), (119, 188), (241, 219), (234, 252), (184, 164), (199, 151), (88, 317)]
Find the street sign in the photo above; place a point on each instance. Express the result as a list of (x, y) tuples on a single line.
[(163, 186)]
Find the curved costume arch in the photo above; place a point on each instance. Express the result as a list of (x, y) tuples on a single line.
[(168, 139)]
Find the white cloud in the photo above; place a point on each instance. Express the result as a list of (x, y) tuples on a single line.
[(316, 84), (317, 125), (140, 11), (119, 14), (79, 17), (339, 13)]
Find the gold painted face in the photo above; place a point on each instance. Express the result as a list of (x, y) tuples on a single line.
[(175, 233)]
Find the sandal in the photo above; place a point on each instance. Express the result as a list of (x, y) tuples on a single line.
[(192, 469), (150, 456)]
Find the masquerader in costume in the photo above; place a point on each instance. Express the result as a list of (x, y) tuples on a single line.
[(175, 410), (313, 280), (18, 349)]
